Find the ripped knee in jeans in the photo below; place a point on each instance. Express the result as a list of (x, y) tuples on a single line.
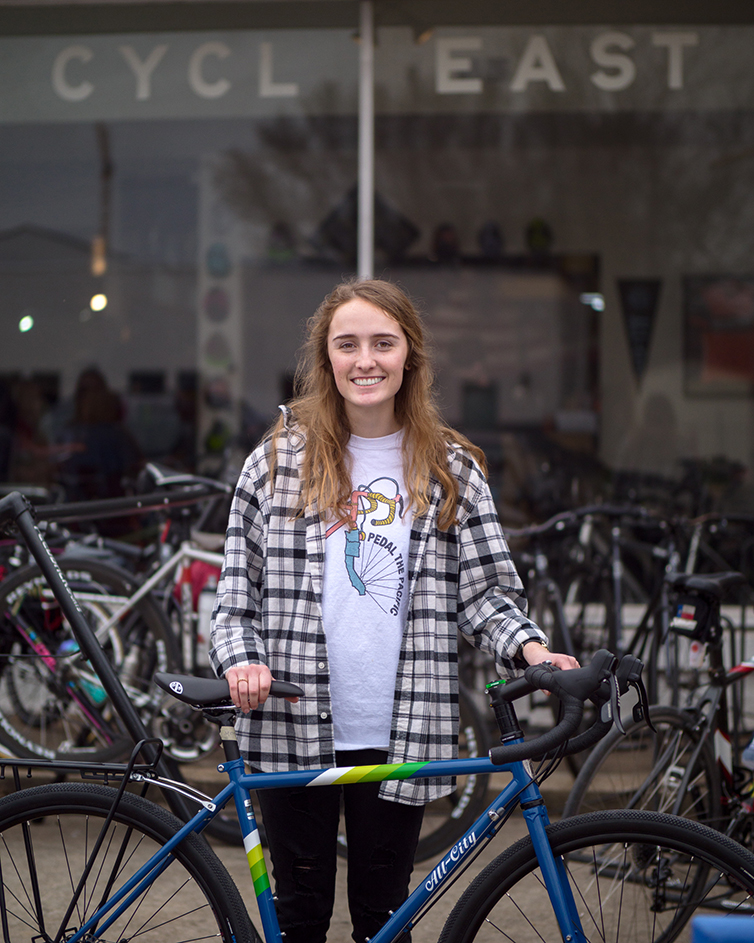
[(382, 858), (302, 870)]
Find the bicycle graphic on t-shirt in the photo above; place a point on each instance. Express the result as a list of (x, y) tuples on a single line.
[(373, 563)]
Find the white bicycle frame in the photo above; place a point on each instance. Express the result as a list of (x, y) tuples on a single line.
[(187, 552)]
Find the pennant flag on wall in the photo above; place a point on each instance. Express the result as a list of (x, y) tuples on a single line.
[(638, 298)]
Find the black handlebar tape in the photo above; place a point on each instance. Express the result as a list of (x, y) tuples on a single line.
[(589, 737), (571, 687), (513, 690), (583, 682), (573, 710), (578, 682)]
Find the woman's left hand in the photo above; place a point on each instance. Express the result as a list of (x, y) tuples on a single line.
[(535, 654)]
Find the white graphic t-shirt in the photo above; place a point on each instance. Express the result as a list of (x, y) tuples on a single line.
[(365, 591)]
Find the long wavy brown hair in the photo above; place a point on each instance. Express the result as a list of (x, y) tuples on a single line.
[(319, 409)]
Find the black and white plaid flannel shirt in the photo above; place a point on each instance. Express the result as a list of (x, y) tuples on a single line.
[(269, 610)]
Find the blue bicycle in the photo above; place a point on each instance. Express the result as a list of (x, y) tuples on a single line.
[(90, 861)]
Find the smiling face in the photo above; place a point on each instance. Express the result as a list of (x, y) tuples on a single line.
[(368, 352)]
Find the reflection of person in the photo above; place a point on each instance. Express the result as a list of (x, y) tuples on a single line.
[(102, 452), (363, 452), (30, 457), (652, 445)]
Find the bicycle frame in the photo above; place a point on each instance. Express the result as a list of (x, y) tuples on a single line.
[(186, 552), (712, 712), (521, 789), (712, 718), (14, 507)]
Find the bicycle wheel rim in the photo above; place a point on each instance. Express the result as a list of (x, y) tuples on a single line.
[(47, 835), (636, 876)]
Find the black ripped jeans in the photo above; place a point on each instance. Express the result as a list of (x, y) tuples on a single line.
[(302, 830)]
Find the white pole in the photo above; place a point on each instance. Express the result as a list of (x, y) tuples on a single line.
[(365, 262)]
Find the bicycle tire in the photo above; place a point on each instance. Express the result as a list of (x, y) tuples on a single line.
[(48, 832), (54, 722), (635, 876), (447, 819), (647, 770)]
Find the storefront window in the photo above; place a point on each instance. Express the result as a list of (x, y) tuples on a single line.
[(570, 205), (141, 176), (584, 187)]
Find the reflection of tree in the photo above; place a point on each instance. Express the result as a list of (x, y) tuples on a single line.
[(301, 166)]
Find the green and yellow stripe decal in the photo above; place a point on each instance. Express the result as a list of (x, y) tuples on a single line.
[(255, 857), (343, 775)]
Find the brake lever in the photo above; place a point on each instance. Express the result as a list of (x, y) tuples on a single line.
[(629, 676), (641, 708), (615, 704)]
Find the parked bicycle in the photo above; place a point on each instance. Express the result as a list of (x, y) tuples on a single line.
[(64, 700), (689, 761), (51, 703), (130, 869)]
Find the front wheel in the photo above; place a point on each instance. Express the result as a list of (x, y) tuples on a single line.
[(53, 881), (635, 876)]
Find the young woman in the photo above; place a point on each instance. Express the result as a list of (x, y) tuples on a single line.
[(362, 537)]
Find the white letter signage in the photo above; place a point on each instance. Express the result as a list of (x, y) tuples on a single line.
[(448, 65), (537, 65), (268, 87), (143, 70), (197, 81), (623, 69), (675, 43), (60, 83)]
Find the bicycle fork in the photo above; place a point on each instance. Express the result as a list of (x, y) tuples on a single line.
[(554, 872)]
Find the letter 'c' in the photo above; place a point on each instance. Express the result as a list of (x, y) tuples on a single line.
[(60, 84), (198, 83)]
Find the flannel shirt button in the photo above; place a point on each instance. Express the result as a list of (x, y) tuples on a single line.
[(323, 715), (321, 664)]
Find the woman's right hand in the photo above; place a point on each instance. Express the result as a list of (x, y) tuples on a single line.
[(249, 686)]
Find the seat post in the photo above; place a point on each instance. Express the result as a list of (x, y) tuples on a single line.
[(228, 736)]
